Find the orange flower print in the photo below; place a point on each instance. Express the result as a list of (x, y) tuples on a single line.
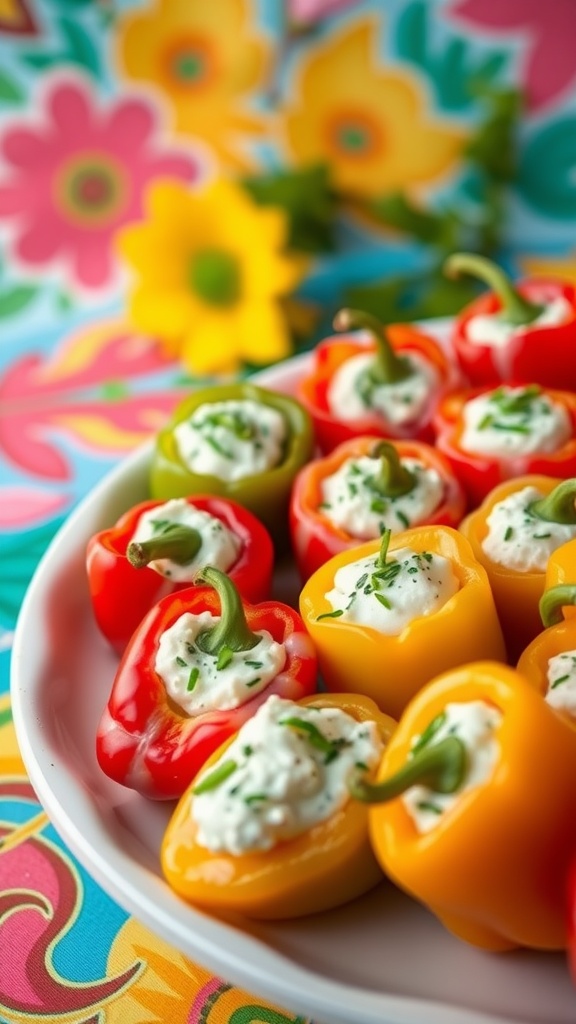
[(371, 126), (206, 58)]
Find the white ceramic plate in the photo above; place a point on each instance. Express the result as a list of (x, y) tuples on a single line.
[(380, 960)]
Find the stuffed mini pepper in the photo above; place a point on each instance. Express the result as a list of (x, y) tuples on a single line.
[(158, 547), (387, 382), (521, 335), (513, 534), (363, 487), (268, 829), (389, 615), (199, 665), (237, 441), (497, 434), (474, 810)]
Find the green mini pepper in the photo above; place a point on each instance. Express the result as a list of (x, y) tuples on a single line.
[(266, 493)]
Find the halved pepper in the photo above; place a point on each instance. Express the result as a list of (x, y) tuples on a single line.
[(392, 668), (315, 538), (494, 866), (326, 866), (390, 346), (123, 588), (266, 494), (148, 742), (479, 474), (517, 593), (534, 352)]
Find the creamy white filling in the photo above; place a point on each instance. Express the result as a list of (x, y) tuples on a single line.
[(514, 421), (352, 501), (219, 546), (474, 723), (561, 678), (352, 395), (517, 538), (492, 329), (200, 682), (232, 439), (283, 780), (411, 584)]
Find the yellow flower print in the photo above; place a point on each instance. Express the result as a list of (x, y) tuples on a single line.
[(205, 56), (371, 126), (210, 273), (562, 269)]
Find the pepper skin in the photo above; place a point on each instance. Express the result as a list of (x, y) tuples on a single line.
[(315, 538), (265, 494), (494, 869), (121, 594), (516, 594), (480, 474), (391, 669), (332, 353), (147, 742), (542, 354), (329, 865)]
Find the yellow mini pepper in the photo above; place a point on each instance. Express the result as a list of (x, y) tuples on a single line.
[(324, 867), (392, 668), (517, 593), (494, 867)]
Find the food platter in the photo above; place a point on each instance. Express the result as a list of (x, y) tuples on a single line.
[(380, 960)]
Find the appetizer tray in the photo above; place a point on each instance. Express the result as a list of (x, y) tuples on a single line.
[(380, 960)]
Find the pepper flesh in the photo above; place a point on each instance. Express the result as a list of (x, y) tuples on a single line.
[(331, 354), (494, 869), (266, 494), (324, 867), (315, 538), (148, 743), (391, 669), (516, 594), (480, 474), (121, 595)]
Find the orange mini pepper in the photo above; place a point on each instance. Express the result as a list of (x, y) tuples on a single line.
[(326, 866), (518, 593), (494, 868), (392, 668), (316, 538)]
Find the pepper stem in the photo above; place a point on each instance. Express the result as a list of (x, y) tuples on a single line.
[(553, 601), (393, 479), (559, 506), (516, 310), (180, 545), (440, 766), (389, 368), (384, 542), (232, 631)]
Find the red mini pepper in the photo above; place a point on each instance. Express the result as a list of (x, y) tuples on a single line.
[(147, 742), (315, 538), (390, 346), (123, 588), (479, 474), (541, 353)]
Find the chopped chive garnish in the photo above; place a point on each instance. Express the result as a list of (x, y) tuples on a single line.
[(561, 679), (255, 798), (426, 805), (193, 678), (225, 655), (486, 421), (541, 536), (215, 778), (247, 750), (509, 533), (378, 505), (254, 664), (181, 662), (315, 737), (360, 764), (217, 446), (254, 681), (383, 600), (515, 428), (159, 524), (402, 517), (360, 583), (330, 615)]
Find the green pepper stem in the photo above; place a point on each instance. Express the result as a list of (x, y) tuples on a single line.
[(553, 601), (232, 631), (180, 545), (393, 479), (384, 542), (516, 310), (440, 766), (389, 368), (559, 506)]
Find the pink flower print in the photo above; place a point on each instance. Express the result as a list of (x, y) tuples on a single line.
[(548, 31), (304, 11), (74, 179)]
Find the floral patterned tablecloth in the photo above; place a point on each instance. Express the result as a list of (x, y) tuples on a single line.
[(98, 99)]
